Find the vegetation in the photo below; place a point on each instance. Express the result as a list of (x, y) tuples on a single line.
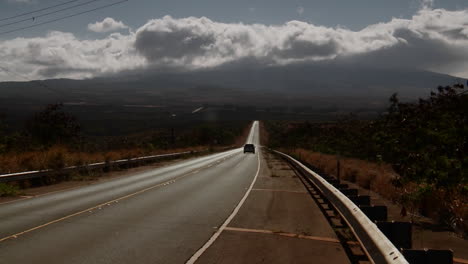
[(58, 157), (8, 190), (3, 137), (425, 142), (52, 126), (53, 139)]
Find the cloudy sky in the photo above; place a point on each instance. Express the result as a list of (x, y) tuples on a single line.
[(190, 35)]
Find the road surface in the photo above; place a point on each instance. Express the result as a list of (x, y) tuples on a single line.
[(161, 216), (172, 214)]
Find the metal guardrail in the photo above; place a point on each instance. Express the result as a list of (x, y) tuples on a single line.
[(377, 246), (100, 165)]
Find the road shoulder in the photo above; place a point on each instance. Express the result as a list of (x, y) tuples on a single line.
[(278, 223)]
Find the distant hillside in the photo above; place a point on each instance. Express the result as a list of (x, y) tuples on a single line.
[(298, 84), (135, 101)]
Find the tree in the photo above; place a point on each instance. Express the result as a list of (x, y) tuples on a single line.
[(3, 135), (53, 126), (427, 141), (427, 144)]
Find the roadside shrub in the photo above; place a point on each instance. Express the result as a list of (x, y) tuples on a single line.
[(56, 160), (425, 143), (53, 126), (7, 190)]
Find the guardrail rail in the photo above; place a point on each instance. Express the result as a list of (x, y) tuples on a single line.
[(99, 165), (376, 245)]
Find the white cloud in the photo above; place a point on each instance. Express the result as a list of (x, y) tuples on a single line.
[(300, 10), (107, 25), (62, 55), (427, 4), (435, 40)]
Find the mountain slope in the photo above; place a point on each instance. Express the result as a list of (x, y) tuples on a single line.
[(280, 85)]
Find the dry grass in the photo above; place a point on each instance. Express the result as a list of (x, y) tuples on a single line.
[(377, 177), (60, 156), (264, 136), (372, 176)]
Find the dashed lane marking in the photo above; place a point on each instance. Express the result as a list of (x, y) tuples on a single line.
[(99, 206), (218, 232), (91, 208), (81, 186)]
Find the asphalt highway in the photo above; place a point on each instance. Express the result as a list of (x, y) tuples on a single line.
[(159, 216)]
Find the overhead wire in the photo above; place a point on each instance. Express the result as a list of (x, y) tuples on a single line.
[(47, 14), (39, 83), (38, 10), (62, 18)]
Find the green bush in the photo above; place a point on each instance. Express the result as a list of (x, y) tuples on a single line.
[(7, 190), (424, 141)]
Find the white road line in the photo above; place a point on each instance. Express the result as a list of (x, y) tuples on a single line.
[(218, 232), (99, 206), (90, 210)]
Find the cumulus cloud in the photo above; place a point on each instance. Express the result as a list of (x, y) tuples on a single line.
[(433, 39), (107, 25), (427, 4), (62, 55)]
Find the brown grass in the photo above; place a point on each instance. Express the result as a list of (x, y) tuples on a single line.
[(263, 134), (59, 156), (372, 176), (378, 177)]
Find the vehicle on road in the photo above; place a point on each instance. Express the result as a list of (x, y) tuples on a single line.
[(249, 148)]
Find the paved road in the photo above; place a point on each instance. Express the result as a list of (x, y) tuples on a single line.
[(278, 223), (160, 216)]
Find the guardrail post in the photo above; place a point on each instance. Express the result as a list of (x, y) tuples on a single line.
[(329, 179), (350, 192), (428, 256), (341, 186), (399, 233), (375, 213), (107, 165), (376, 245), (333, 181), (360, 200)]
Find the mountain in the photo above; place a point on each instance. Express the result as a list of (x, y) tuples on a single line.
[(271, 85), (139, 100), (308, 85)]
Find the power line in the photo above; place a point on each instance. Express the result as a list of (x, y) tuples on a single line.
[(38, 10), (62, 18), (46, 14)]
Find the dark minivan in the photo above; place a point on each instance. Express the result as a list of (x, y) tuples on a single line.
[(249, 148)]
